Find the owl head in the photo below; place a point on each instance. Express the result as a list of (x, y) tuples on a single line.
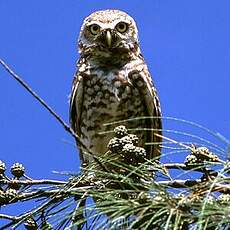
[(108, 33)]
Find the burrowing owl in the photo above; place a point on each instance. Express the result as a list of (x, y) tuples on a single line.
[(112, 83)]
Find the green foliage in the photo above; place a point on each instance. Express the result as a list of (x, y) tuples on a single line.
[(129, 192)]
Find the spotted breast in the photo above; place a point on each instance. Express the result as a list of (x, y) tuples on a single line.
[(112, 83)]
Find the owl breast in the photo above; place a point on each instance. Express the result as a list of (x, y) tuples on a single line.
[(108, 96)]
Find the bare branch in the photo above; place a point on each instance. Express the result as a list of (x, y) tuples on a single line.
[(37, 97), (51, 111), (3, 216), (32, 182)]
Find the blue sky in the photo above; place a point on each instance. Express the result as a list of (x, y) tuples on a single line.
[(185, 43)]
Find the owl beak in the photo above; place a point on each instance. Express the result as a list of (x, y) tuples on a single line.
[(108, 38)]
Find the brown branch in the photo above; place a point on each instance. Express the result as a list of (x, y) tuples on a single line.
[(32, 182), (7, 217), (177, 166), (182, 166), (223, 188), (49, 193), (180, 183)]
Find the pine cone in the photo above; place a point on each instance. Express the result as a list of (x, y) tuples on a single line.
[(133, 138), (10, 194), (120, 131), (2, 167), (115, 145), (2, 198), (30, 224), (17, 170)]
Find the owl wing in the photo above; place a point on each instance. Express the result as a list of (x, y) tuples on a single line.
[(142, 80), (76, 100)]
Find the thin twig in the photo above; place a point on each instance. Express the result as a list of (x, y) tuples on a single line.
[(44, 193), (81, 202), (38, 98), (51, 111), (7, 217), (180, 183), (32, 182)]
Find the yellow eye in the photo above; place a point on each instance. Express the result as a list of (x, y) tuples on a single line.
[(94, 29), (121, 27)]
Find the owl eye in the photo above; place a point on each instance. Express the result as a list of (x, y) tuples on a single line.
[(94, 29), (121, 27)]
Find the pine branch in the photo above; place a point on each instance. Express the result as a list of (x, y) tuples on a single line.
[(13, 182)]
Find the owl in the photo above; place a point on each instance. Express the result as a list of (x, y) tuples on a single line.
[(112, 83)]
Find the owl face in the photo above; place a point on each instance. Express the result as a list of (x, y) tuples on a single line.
[(107, 32)]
